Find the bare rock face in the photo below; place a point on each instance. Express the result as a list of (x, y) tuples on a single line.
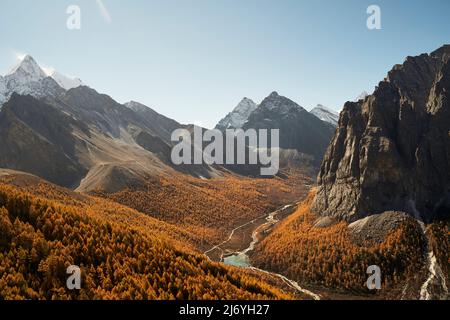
[(375, 229), (391, 150)]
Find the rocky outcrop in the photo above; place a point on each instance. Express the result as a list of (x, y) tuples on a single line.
[(391, 150), (375, 229)]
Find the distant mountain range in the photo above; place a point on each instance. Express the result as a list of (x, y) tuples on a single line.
[(300, 130), (241, 113), (77, 137), (57, 128), (304, 135)]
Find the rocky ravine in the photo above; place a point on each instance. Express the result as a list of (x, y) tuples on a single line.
[(393, 146)]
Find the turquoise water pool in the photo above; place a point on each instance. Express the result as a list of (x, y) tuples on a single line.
[(238, 260)]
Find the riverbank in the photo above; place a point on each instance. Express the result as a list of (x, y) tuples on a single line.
[(243, 239)]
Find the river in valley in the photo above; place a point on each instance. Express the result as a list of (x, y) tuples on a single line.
[(241, 259), (228, 253)]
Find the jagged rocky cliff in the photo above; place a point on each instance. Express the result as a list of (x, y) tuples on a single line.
[(391, 150)]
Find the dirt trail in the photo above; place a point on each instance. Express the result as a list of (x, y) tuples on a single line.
[(270, 220)]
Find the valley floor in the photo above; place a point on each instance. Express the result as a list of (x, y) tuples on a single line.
[(211, 209)]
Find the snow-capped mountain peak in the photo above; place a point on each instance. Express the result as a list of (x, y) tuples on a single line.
[(245, 106), (280, 104), (27, 77), (27, 70), (237, 118), (326, 114), (64, 81)]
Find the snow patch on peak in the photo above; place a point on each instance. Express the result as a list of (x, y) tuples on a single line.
[(2, 91), (245, 106), (326, 114), (280, 104), (27, 77), (64, 81), (136, 106), (237, 118), (27, 70)]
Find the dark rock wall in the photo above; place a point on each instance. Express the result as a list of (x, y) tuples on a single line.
[(392, 149)]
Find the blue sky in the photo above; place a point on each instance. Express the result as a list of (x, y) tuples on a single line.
[(193, 60)]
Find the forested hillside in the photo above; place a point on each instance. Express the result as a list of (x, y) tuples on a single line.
[(40, 237), (211, 208), (327, 256)]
